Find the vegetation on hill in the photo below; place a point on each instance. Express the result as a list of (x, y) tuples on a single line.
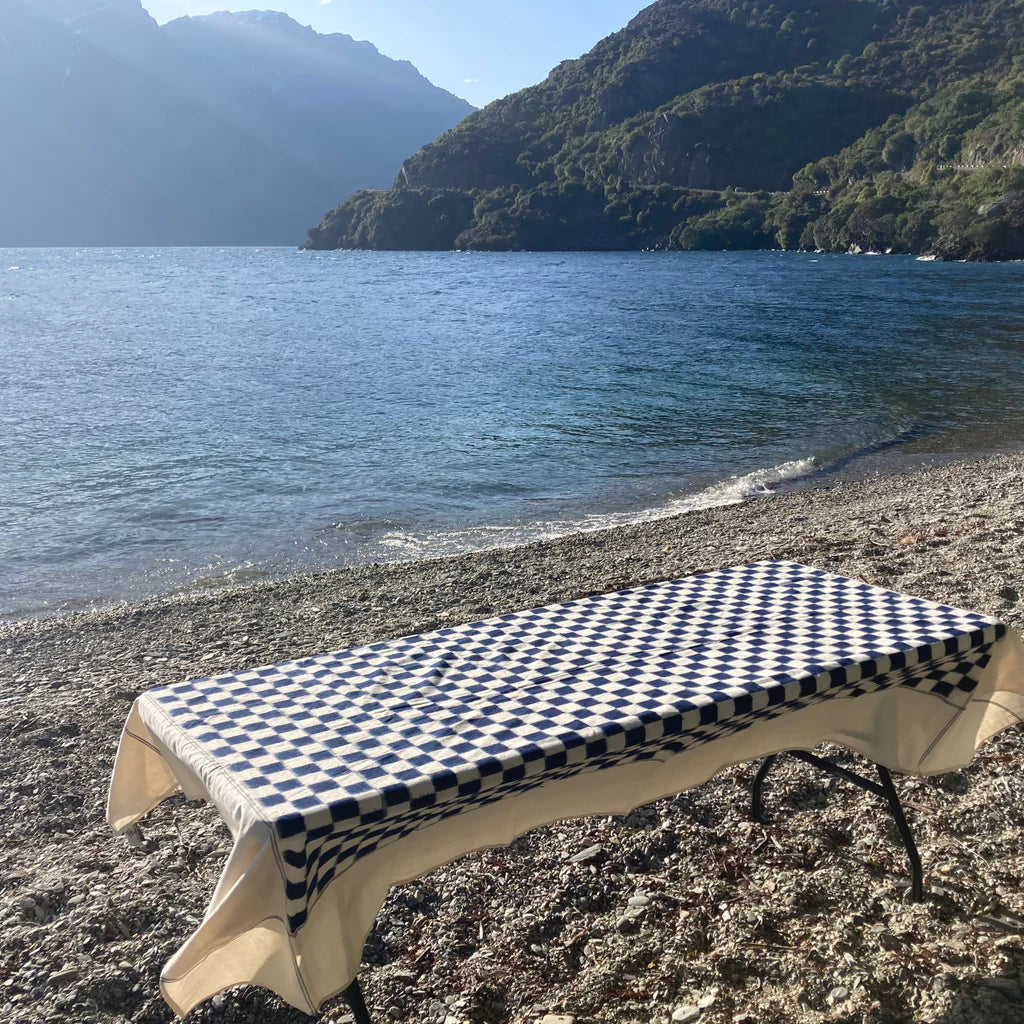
[(870, 124)]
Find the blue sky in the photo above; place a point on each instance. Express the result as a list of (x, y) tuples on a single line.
[(479, 49)]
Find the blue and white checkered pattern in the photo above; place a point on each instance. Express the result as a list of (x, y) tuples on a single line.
[(344, 753)]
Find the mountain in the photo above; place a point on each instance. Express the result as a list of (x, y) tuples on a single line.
[(833, 124), (226, 129)]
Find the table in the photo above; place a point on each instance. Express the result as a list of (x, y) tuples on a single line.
[(343, 774)]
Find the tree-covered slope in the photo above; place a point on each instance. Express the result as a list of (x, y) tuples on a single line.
[(731, 123), (226, 129)]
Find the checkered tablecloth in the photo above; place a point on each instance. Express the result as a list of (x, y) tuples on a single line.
[(341, 756)]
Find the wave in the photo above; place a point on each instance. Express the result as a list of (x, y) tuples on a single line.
[(738, 489), (401, 544)]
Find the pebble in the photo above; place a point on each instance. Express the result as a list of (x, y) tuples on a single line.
[(708, 999), (639, 901), (557, 1018), (685, 1014), (838, 994), (63, 977), (588, 854)]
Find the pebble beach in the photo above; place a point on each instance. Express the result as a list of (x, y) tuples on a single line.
[(685, 910)]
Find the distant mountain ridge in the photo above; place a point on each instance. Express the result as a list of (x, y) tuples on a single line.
[(834, 124), (221, 129)]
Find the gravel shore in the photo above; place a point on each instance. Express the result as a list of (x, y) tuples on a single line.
[(685, 910)]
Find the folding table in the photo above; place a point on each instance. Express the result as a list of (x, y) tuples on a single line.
[(343, 774)]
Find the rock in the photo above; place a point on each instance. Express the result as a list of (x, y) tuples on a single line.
[(686, 1014), (396, 1012), (59, 978), (219, 1001), (590, 853), (638, 901), (1009, 595), (626, 924), (557, 1018), (838, 995), (991, 210), (708, 999)]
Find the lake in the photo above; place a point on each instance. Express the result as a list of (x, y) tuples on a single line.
[(182, 418)]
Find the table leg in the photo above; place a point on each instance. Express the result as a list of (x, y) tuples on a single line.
[(353, 995), (884, 788), (916, 871), (756, 806)]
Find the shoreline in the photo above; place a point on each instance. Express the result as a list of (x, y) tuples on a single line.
[(749, 916), (894, 458), (818, 489)]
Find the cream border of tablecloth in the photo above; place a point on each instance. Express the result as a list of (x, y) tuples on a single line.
[(244, 939)]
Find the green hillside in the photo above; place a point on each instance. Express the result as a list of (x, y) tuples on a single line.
[(870, 124)]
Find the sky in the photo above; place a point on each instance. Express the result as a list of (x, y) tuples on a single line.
[(478, 49)]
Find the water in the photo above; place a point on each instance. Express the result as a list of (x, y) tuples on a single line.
[(182, 417)]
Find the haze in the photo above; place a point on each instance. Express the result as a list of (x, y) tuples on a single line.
[(475, 49)]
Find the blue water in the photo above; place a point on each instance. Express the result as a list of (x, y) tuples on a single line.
[(181, 417)]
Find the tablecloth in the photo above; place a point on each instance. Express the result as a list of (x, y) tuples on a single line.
[(343, 774)]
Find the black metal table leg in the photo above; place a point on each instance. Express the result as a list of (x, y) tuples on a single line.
[(916, 871), (353, 995), (884, 788), (756, 807)]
